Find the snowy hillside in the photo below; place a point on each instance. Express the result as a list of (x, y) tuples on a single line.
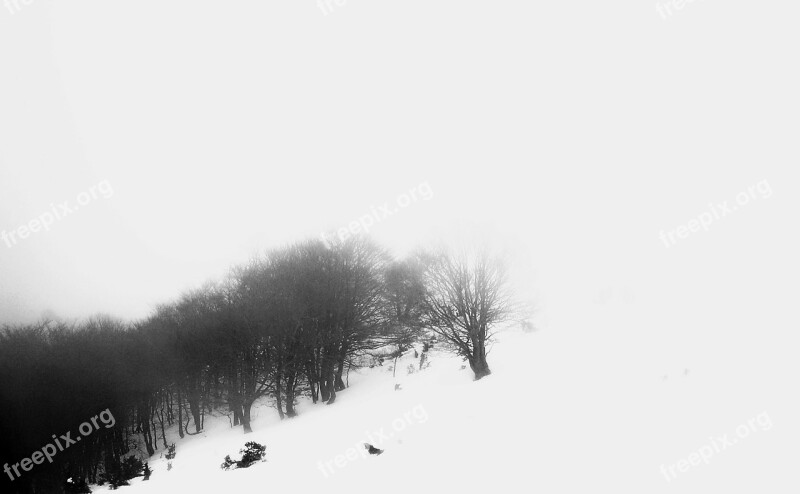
[(433, 427), (547, 419)]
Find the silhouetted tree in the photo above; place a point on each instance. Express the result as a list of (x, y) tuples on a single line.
[(467, 297)]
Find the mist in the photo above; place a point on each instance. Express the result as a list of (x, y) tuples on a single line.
[(636, 166)]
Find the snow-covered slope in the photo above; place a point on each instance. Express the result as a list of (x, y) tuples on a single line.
[(433, 429), (556, 415)]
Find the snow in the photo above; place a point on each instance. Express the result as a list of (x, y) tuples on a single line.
[(558, 414)]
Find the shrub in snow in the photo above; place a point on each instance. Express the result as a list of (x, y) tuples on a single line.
[(171, 452), (132, 467), (118, 476), (251, 453), (228, 463), (72, 486), (372, 449)]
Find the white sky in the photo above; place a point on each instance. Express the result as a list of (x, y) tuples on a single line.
[(577, 129), (573, 131)]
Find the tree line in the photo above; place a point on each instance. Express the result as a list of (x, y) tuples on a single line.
[(289, 323)]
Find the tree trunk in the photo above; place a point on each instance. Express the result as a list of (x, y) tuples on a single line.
[(332, 397), (290, 384), (235, 404), (246, 416), (312, 382), (144, 424), (326, 381), (194, 407), (163, 432), (479, 365), (323, 392), (477, 361), (180, 414), (480, 368), (330, 383), (234, 395), (279, 399), (338, 384)]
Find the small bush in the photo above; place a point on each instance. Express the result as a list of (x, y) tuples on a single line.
[(129, 468), (251, 453), (170, 452), (72, 486), (116, 482), (132, 467), (228, 463)]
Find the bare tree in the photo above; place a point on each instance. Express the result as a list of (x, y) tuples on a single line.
[(467, 297)]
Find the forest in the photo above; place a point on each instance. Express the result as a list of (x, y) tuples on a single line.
[(291, 322)]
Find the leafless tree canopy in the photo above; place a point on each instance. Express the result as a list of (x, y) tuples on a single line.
[(290, 322), (467, 299)]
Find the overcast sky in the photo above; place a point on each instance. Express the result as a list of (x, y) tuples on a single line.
[(640, 161), (575, 131)]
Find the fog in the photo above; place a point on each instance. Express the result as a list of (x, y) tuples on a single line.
[(635, 161), (576, 134)]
